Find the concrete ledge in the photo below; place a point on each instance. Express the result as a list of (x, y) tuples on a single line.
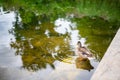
[(109, 67)]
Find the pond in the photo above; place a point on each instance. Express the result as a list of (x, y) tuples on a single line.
[(42, 46)]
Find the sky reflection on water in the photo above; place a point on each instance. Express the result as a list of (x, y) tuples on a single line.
[(7, 57)]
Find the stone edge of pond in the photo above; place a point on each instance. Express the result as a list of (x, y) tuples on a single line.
[(109, 67)]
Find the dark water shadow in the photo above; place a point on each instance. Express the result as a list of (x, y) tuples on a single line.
[(83, 63)]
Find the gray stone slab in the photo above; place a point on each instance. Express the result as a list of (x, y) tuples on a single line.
[(109, 67)]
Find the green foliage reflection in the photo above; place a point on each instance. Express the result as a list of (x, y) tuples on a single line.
[(37, 47), (98, 32)]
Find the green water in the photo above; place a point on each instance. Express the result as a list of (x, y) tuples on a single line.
[(39, 44), (36, 48), (32, 43), (98, 32)]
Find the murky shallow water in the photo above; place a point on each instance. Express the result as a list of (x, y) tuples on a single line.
[(40, 52)]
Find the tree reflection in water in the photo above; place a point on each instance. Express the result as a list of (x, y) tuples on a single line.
[(38, 43)]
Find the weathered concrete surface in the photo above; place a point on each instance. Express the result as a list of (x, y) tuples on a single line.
[(109, 67)]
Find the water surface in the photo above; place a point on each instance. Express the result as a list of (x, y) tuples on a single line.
[(34, 47)]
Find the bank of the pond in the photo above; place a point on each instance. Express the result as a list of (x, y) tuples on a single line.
[(109, 67), (108, 9)]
